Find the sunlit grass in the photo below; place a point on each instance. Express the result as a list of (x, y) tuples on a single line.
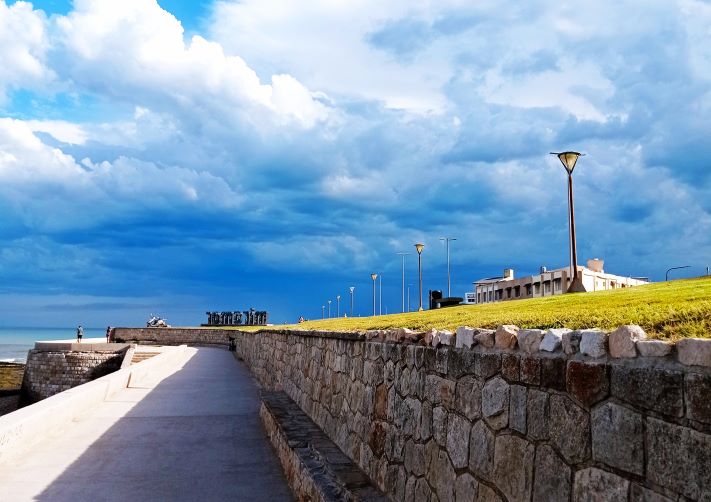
[(667, 310)]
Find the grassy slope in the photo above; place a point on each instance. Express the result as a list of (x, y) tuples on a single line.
[(667, 310), (11, 375)]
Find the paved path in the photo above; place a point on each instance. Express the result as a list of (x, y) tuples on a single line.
[(195, 435)]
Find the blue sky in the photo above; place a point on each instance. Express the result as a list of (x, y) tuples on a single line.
[(176, 157)]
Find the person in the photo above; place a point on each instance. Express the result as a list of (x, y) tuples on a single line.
[(108, 334), (80, 333)]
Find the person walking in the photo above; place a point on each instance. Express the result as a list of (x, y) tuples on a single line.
[(80, 333), (108, 334)]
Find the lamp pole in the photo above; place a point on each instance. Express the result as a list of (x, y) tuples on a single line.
[(666, 276), (569, 159), (373, 277), (351, 289), (403, 278), (419, 247), (338, 305), (329, 309), (449, 282)]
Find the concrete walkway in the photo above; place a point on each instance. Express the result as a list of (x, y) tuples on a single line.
[(195, 435)]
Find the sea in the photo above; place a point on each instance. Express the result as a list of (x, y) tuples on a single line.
[(15, 342)]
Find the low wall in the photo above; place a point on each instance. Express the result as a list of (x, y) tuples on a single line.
[(174, 336), (494, 424)]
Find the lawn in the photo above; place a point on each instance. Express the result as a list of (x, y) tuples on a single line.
[(666, 310)]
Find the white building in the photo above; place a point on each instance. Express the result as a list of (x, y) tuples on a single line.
[(547, 283)]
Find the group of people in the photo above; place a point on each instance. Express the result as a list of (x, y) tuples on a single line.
[(80, 333)]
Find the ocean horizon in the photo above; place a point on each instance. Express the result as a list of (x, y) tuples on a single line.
[(16, 341)]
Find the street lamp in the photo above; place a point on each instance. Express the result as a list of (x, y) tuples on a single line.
[(419, 247), (338, 305), (351, 289), (374, 277), (403, 278), (568, 159), (449, 283), (666, 277), (329, 309)]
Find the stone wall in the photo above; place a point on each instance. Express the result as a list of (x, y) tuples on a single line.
[(491, 424), (49, 372), (173, 336)]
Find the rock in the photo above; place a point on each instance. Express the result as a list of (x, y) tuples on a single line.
[(495, 403), (552, 476), (439, 425), (553, 339), (571, 342), (587, 381), (618, 437), (486, 494), (487, 364), (513, 467), (428, 336), (596, 485), (446, 338), (422, 491), (622, 341), (569, 429), (460, 362), (649, 387), (439, 390), (553, 373), (458, 431), (465, 337), (506, 336), (641, 494), (465, 488), (517, 409), (481, 450), (593, 343), (654, 348), (698, 390), (538, 414), (425, 428), (531, 370), (485, 338), (529, 340), (694, 351), (678, 458), (467, 398), (444, 478), (414, 459), (510, 364)]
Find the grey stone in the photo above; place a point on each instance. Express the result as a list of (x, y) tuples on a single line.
[(553, 339), (529, 340), (552, 476), (458, 430), (439, 425), (487, 365), (414, 459), (486, 494), (481, 450), (654, 348), (538, 416), (495, 403), (410, 488), (593, 343), (641, 494), (517, 409), (506, 336), (513, 467), (679, 458), (622, 341), (618, 437), (439, 390), (444, 478), (571, 342), (698, 390), (465, 337), (485, 338), (569, 429), (425, 429), (446, 337), (649, 387), (423, 493), (465, 488), (694, 351), (467, 399), (596, 485)]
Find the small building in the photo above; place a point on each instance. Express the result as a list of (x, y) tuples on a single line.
[(548, 283)]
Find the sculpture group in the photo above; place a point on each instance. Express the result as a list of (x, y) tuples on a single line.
[(249, 317)]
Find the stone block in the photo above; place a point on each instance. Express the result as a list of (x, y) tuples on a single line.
[(461, 362), (679, 458), (641, 494), (426, 419), (495, 403), (506, 336), (380, 407), (623, 340), (458, 430), (618, 437), (423, 493), (569, 429), (538, 414), (654, 348), (694, 351), (467, 399), (531, 370), (487, 364), (587, 381), (439, 390), (465, 337), (486, 494), (698, 396), (552, 476), (510, 364), (593, 343), (553, 373), (481, 450), (517, 409), (513, 467), (442, 360), (529, 340), (650, 388), (485, 338), (443, 478), (439, 425), (553, 339), (414, 459), (446, 337), (465, 488), (596, 485), (571, 342)]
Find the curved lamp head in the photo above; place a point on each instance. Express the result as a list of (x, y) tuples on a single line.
[(568, 159), (352, 288), (419, 248), (338, 297), (329, 302), (373, 276)]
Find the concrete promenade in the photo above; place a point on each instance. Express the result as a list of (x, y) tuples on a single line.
[(193, 435)]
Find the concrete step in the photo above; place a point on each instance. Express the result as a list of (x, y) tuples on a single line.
[(142, 356)]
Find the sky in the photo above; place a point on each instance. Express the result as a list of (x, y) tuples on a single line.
[(176, 157)]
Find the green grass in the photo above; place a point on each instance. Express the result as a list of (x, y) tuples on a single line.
[(666, 310)]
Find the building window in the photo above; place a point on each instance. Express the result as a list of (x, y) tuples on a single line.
[(528, 290), (517, 291), (557, 284), (546, 287), (536, 288), (508, 292), (478, 297)]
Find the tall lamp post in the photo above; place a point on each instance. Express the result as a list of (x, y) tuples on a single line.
[(351, 289), (666, 276), (338, 305), (329, 308), (449, 281), (568, 159), (403, 278), (419, 247), (374, 277)]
